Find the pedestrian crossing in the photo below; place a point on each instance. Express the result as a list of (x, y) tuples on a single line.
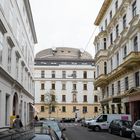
[(66, 125)]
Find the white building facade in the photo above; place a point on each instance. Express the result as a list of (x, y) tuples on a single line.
[(17, 39), (68, 75), (117, 56)]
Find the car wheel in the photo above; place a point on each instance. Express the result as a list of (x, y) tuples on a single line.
[(133, 136), (109, 130), (121, 133), (97, 128)]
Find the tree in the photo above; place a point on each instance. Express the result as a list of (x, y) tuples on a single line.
[(50, 100)]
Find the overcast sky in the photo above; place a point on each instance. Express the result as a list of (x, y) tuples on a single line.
[(65, 23)]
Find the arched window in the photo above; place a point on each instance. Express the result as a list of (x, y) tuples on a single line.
[(95, 109), (95, 98)]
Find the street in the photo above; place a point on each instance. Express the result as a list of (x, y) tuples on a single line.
[(76, 132)]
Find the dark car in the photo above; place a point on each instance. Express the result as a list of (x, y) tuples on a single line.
[(121, 127)]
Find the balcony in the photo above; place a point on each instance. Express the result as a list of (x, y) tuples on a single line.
[(101, 81), (131, 60), (101, 53)]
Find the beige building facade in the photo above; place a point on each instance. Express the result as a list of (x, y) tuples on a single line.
[(64, 84), (117, 56)]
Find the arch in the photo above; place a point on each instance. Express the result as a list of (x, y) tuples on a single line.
[(15, 104)]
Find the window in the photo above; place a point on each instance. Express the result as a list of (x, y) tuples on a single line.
[(42, 86), (85, 98), (53, 109), (95, 98), (125, 51), (112, 89), (42, 74), (9, 59), (111, 63), (119, 87), (97, 70), (63, 74), (42, 108), (110, 15), (1, 46), (74, 86), (104, 43), (53, 74), (117, 57), (117, 30), (74, 98), (42, 98), (85, 75), (105, 68), (74, 74), (135, 41), (63, 86), (53, 86), (63, 109), (107, 90), (84, 86), (124, 21), (137, 80), (116, 5), (106, 23), (84, 109), (134, 8), (111, 38), (126, 83), (63, 98), (53, 98), (74, 108), (95, 109)]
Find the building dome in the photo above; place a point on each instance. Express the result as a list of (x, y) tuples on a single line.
[(63, 53)]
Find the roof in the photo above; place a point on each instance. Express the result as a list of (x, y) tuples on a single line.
[(61, 53), (102, 11)]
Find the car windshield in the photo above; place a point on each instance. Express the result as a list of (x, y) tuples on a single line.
[(126, 123), (53, 125), (40, 129)]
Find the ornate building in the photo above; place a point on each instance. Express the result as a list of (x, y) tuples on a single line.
[(64, 84), (17, 39), (117, 56)]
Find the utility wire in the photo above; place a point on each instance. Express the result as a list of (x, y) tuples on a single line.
[(90, 38)]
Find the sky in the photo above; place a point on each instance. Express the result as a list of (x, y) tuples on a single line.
[(65, 23)]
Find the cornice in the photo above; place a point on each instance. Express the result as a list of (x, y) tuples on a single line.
[(102, 11)]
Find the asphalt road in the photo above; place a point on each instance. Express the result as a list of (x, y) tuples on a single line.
[(77, 132)]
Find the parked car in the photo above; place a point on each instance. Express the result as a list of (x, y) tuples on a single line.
[(85, 122), (56, 127), (103, 121), (135, 130), (44, 132), (121, 127)]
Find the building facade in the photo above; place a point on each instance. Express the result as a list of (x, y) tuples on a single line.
[(67, 75), (17, 39), (117, 56)]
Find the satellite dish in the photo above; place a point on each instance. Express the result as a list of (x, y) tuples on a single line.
[(53, 48), (81, 50)]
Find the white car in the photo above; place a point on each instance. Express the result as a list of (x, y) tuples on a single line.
[(135, 130)]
